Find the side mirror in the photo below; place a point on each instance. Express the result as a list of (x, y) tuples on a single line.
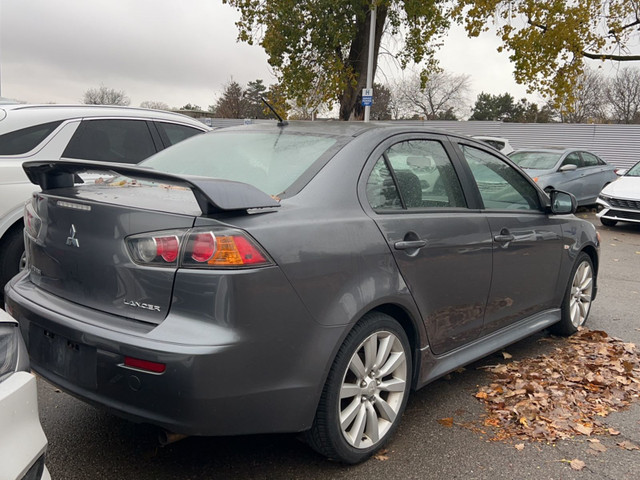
[(563, 203), (568, 168)]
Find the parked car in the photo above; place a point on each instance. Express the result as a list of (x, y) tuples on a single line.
[(23, 443), (620, 200), (297, 278), (573, 170), (88, 132), (500, 144)]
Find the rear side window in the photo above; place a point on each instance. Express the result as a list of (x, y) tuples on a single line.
[(422, 174), (172, 133), (26, 139), (590, 160), (123, 141)]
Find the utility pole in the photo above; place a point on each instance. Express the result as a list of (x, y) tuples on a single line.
[(372, 41)]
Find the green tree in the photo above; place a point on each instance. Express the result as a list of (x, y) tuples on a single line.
[(321, 46), (549, 40), (381, 108), (253, 96), (493, 107)]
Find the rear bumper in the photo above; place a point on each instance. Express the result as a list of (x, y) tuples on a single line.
[(262, 372), (22, 441)]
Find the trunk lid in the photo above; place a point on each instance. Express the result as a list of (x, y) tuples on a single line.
[(81, 254), (76, 235)]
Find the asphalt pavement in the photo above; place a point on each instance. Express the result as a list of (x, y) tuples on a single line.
[(87, 443)]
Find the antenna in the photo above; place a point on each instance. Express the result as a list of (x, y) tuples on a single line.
[(282, 122)]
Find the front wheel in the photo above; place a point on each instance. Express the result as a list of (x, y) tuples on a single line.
[(365, 393), (577, 298), (607, 222)]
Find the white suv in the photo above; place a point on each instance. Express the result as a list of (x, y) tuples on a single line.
[(88, 132)]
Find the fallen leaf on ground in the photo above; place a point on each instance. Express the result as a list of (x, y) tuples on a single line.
[(564, 392), (447, 422), (506, 355), (627, 445), (577, 464), (519, 447), (598, 447), (382, 455)]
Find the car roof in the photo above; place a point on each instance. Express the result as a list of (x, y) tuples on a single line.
[(22, 115), (346, 129)]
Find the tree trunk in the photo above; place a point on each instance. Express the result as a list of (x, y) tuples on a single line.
[(350, 100)]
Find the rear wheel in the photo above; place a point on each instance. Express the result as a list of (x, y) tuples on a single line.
[(11, 256), (608, 223), (577, 298), (365, 393)]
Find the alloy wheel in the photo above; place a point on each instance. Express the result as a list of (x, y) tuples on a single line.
[(373, 389), (580, 296)]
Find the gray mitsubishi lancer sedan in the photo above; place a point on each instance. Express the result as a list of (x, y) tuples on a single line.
[(292, 278)]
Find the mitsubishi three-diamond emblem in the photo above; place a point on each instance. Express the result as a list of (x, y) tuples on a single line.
[(72, 241)]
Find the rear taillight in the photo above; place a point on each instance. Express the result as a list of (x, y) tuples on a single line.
[(197, 248), (151, 249), (32, 222)]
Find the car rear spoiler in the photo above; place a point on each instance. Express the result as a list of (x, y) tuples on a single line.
[(213, 195)]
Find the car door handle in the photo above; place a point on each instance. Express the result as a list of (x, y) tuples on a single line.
[(504, 237), (409, 244)]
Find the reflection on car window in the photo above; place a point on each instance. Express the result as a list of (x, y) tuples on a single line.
[(501, 186), (270, 162), (423, 174), (26, 139), (174, 133), (535, 160), (125, 141), (382, 193)]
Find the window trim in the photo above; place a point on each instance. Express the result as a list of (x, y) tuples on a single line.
[(380, 151)]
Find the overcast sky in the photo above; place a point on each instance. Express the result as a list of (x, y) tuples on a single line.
[(176, 52)]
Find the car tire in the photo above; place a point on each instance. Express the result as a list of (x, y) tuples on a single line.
[(577, 298), (365, 393), (11, 255), (607, 222)]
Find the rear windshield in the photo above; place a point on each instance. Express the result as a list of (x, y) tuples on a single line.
[(26, 139), (537, 160), (269, 161)]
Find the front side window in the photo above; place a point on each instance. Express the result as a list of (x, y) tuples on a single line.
[(26, 139), (123, 141), (573, 159), (415, 174), (501, 186)]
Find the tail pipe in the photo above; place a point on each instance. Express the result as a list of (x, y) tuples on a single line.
[(166, 438)]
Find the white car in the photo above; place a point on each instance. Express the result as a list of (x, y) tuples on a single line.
[(22, 441), (500, 144), (88, 132), (620, 201)]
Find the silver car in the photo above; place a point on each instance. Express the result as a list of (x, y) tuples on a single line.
[(573, 170), (88, 132), (292, 278)]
